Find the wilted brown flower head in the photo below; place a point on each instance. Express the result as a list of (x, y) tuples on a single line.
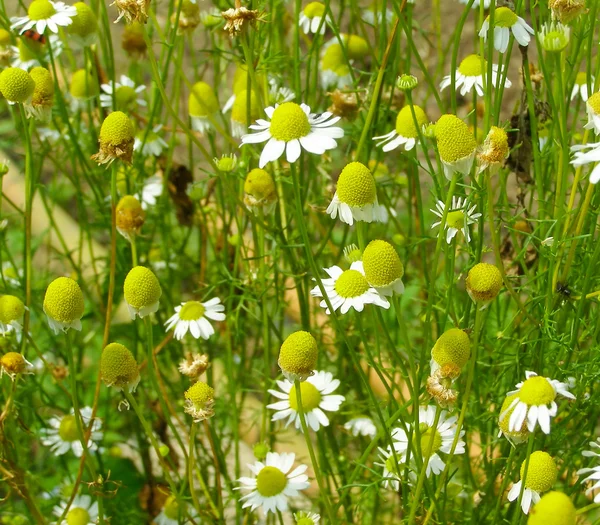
[(567, 10), (132, 10), (130, 217), (193, 365), (439, 385), (235, 18), (343, 105)]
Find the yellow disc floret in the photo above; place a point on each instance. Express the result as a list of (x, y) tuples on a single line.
[(130, 216), (518, 435), (554, 508), (192, 311), (483, 282), (351, 283), (239, 110), (13, 363), (64, 301), (429, 434), (311, 397), (472, 66), (83, 84), (289, 122), (356, 46), (142, 291), (333, 58), (504, 17), (453, 347), (537, 390), (16, 85), (11, 309), (541, 471), (84, 23), (381, 264), (495, 147), (405, 123), (313, 9), (455, 140), (594, 103), (119, 368), (116, 139), (199, 402), (43, 92), (5, 38), (270, 481), (298, 355), (202, 100), (356, 185), (259, 188), (78, 516), (40, 10)]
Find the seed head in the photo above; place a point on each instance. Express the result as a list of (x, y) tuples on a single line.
[(119, 368), (142, 291), (16, 85), (298, 356), (116, 140), (199, 401), (484, 282)]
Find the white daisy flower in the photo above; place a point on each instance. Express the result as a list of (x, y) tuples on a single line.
[(594, 472), (44, 14), (476, 3), (11, 275), (469, 75), (334, 66), (278, 94), (459, 217), (126, 94), (443, 436), (311, 16), (192, 316), (175, 512), (583, 157), (535, 402), (593, 111), (406, 132), (12, 310), (361, 426), (316, 397), (541, 476), (505, 21), (273, 483), (83, 511), (581, 86), (151, 191), (291, 128), (63, 436), (307, 518), (348, 289), (154, 144), (393, 463), (355, 197)]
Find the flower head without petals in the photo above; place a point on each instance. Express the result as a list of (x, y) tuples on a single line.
[(298, 356), (383, 268), (142, 292), (119, 368), (541, 476), (554, 508), (456, 145), (199, 401), (63, 305)]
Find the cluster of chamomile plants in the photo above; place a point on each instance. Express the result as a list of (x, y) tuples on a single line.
[(288, 262)]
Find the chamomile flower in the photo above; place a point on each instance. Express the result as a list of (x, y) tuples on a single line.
[(291, 128), (193, 365), (593, 112), (193, 316), (307, 518), (554, 508), (116, 139), (199, 401), (456, 145), (453, 348), (118, 368), (125, 93), (311, 18), (581, 86), (460, 216), (373, 13), (406, 132), (541, 476), (593, 473), (16, 85), (535, 402), (316, 393), (174, 512), (14, 364), (393, 464), (10, 274), (142, 292), (83, 511), (260, 193), (45, 14), (239, 112), (355, 198), (84, 27), (469, 76), (588, 154), (298, 356), (494, 150), (517, 435), (130, 217), (40, 106), (554, 36), (483, 283), (383, 268), (63, 305), (348, 289), (151, 191), (505, 22), (150, 143), (334, 67), (62, 435), (12, 310), (83, 88), (361, 426), (273, 482), (442, 436), (202, 106)]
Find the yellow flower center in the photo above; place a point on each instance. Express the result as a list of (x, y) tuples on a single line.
[(68, 429), (125, 96), (11, 309), (484, 282), (428, 434), (382, 264), (356, 185), (305, 521), (191, 311), (171, 508), (472, 66), (454, 139), (311, 397), (314, 9), (270, 482), (239, 111), (541, 471), (84, 23), (78, 516), (63, 300), (202, 100), (40, 10), (350, 284), (356, 46), (259, 184), (117, 129), (555, 508), (455, 219), (594, 103), (289, 122), (453, 347), (405, 123), (200, 394), (333, 58), (141, 287), (83, 84), (118, 367), (581, 78), (13, 363), (537, 390), (504, 17), (16, 84), (298, 354)]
